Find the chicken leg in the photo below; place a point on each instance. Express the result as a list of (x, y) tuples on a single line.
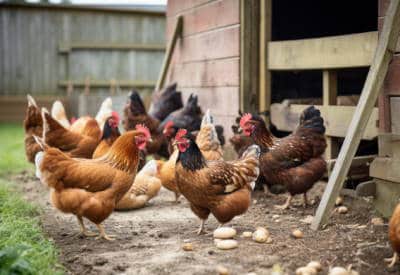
[(201, 228), (83, 228), (103, 234), (393, 260), (286, 204), (177, 195), (305, 201)]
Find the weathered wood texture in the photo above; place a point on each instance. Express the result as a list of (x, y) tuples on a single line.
[(101, 44), (344, 51), (206, 59), (374, 82)]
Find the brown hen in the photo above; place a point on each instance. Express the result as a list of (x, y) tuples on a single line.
[(33, 125)]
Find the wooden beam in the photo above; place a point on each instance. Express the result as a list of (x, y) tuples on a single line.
[(373, 84), (66, 47), (249, 54), (106, 83), (344, 51), (329, 95), (170, 50), (265, 74), (337, 119)]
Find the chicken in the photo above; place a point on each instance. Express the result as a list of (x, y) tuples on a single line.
[(217, 187), (109, 136), (167, 174), (294, 161), (135, 113), (59, 114), (33, 125), (239, 141), (207, 139), (104, 112), (165, 102), (75, 145), (394, 236), (144, 188), (189, 117), (91, 188), (208, 143)]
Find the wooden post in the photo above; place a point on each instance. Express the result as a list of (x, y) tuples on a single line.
[(377, 72), (329, 96), (249, 55), (170, 51), (265, 74)]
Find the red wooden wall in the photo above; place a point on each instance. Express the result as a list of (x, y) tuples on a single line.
[(389, 117), (206, 60)]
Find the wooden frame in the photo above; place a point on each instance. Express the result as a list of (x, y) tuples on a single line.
[(249, 54), (344, 51), (379, 67), (66, 47), (107, 83)]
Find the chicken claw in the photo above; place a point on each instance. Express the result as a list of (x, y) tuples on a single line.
[(103, 234), (393, 260), (286, 204), (85, 232)]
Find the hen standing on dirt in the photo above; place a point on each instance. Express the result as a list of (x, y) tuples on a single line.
[(222, 188), (294, 161)]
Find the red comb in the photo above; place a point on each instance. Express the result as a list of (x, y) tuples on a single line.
[(245, 118), (180, 134), (142, 128), (115, 115), (169, 124)]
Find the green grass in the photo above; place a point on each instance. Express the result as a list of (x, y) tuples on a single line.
[(23, 247), (12, 151)]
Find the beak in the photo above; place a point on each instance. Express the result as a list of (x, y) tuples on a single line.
[(150, 140), (240, 130)]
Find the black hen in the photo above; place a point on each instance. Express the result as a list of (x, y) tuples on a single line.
[(164, 102)]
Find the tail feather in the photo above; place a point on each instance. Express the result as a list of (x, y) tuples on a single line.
[(31, 100), (38, 161), (59, 114), (311, 119)]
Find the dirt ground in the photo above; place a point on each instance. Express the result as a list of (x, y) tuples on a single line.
[(149, 240)]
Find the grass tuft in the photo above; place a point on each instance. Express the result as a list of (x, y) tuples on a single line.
[(12, 150), (23, 246)]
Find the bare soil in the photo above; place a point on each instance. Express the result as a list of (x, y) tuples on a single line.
[(149, 240)]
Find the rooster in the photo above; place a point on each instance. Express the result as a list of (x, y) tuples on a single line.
[(294, 161), (91, 188), (165, 102), (217, 187), (33, 125)]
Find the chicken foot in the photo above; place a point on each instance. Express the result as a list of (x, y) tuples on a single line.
[(177, 195), (305, 201), (85, 232), (103, 234), (393, 260), (286, 204)]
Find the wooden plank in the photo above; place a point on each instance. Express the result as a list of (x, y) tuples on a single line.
[(216, 44), (386, 197), (208, 17), (65, 47), (175, 7), (265, 74), (369, 94), (357, 161), (337, 119), (392, 80), (213, 73), (106, 83), (394, 114), (249, 54), (329, 95), (170, 51), (386, 169), (61, 7), (344, 51), (382, 7)]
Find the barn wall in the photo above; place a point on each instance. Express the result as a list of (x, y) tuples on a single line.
[(389, 101), (206, 60), (42, 47)]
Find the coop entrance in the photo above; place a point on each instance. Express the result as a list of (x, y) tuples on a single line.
[(319, 53)]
